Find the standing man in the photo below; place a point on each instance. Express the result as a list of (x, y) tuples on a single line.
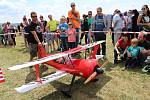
[(100, 24), (34, 36), (52, 27), (74, 17), (25, 30)]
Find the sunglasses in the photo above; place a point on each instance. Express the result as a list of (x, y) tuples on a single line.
[(34, 16), (89, 14), (143, 9), (72, 5)]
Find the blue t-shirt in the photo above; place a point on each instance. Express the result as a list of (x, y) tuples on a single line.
[(99, 23), (63, 28), (134, 50)]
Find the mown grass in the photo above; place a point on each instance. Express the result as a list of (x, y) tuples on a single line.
[(114, 84)]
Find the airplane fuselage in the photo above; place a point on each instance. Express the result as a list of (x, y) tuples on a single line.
[(78, 67)]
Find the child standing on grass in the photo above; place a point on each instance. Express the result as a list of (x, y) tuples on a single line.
[(63, 26), (71, 36)]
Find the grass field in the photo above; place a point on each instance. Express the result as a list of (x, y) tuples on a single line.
[(114, 84)]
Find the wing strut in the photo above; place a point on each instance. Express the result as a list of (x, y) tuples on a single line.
[(38, 73)]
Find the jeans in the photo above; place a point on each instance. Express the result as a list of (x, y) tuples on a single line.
[(77, 37), (64, 43), (71, 45)]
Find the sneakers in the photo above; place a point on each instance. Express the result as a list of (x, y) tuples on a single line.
[(123, 69), (52, 52), (59, 49)]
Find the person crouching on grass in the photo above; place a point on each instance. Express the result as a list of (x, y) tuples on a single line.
[(121, 48)]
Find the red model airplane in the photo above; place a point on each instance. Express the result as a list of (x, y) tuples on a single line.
[(86, 68)]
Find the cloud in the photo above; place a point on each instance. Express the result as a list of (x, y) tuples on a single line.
[(14, 10)]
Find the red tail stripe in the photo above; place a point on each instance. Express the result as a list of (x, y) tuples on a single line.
[(2, 81), (1, 77)]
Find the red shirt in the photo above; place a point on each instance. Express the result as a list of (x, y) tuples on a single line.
[(123, 45)]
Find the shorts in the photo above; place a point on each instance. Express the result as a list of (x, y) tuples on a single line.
[(33, 48), (50, 38)]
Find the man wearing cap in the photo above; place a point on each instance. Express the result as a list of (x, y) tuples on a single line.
[(74, 17)]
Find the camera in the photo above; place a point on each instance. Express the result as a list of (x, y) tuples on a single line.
[(85, 16)]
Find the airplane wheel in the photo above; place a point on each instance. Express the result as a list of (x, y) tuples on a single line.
[(67, 93)]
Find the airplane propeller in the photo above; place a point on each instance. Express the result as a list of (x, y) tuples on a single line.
[(97, 71)]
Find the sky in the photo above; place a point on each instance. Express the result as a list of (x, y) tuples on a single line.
[(14, 10)]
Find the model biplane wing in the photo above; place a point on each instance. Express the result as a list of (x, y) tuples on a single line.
[(54, 56), (45, 80), (38, 61)]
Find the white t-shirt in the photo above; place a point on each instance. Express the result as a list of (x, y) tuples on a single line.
[(118, 21)]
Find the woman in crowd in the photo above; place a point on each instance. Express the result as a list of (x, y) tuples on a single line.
[(135, 27), (144, 20)]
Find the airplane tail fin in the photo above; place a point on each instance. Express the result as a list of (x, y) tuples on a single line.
[(41, 51)]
